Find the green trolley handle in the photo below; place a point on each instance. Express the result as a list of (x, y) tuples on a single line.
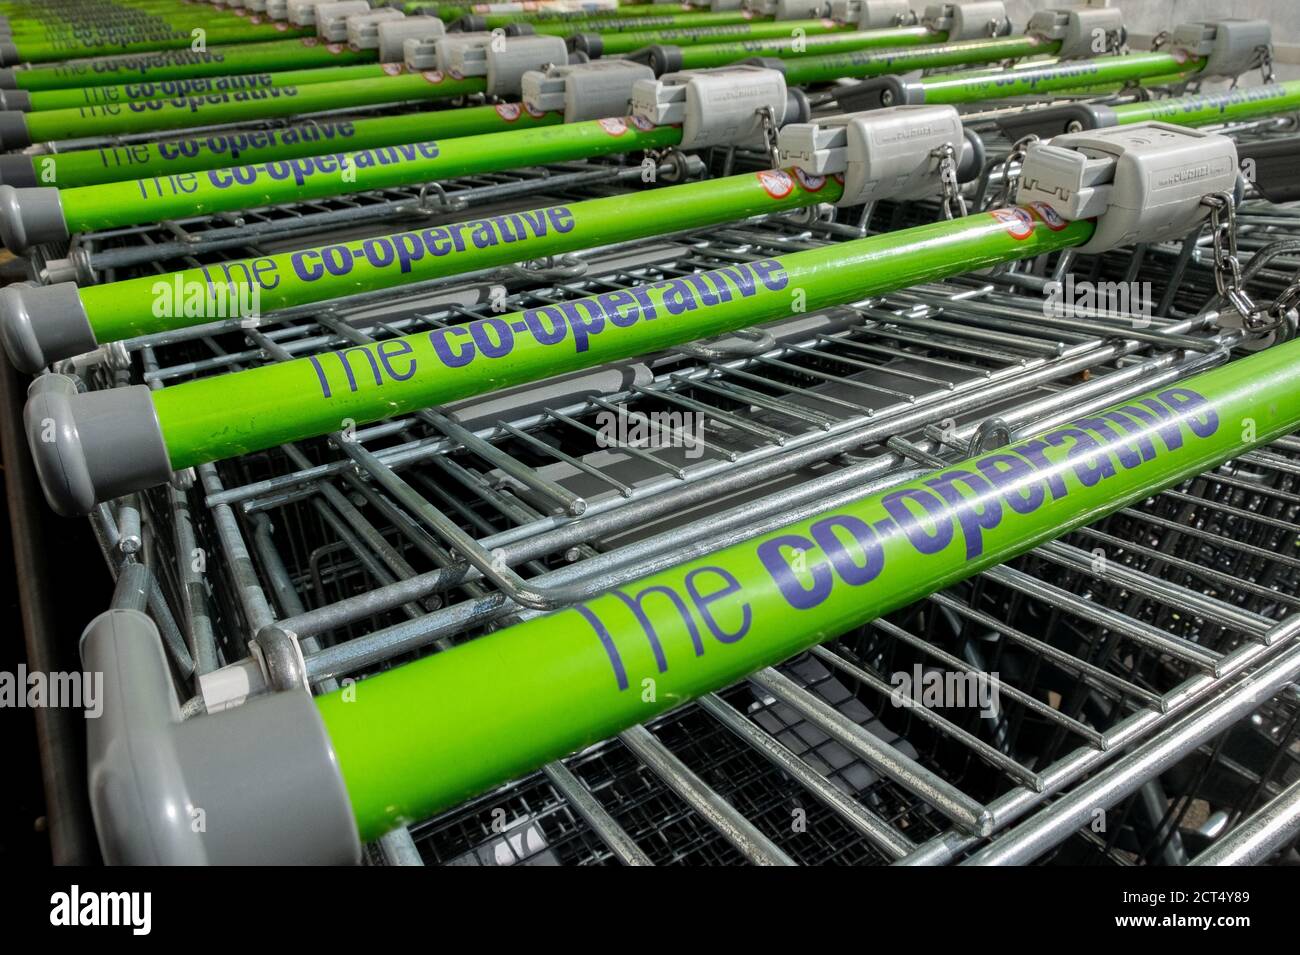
[(222, 147), (32, 216), (157, 303), (77, 97), (266, 57), (425, 736), (132, 438), (19, 130)]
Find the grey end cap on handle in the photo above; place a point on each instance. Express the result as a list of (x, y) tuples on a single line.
[(593, 44), (797, 107), (18, 101), (42, 324), (18, 170), (94, 446), (262, 777), (1050, 121), (971, 161), (31, 217), (14, 133), (660, 57), (8, 79), (766, 62), (879, 92), (9, 55)]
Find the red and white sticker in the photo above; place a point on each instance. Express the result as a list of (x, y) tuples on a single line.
[(810, 182), (613, 126), (433, 76), (641, 123), (309, 41), (1051, 218), (1018, 223), (747, 14), (282, 26), (336, 48), (508, 111), (777, 183), (828, 23), (534, 113), (393, 69)]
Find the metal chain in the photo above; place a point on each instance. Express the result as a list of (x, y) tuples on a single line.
[(1227, 267), (954, 204), (1018, 151), (1266, 63), (768, 120), (1257, 320)]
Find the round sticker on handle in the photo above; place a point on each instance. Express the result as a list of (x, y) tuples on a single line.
[(1051, 218), (433, 76), (777, 183), (641, 123), (508, 111), (1018, 223), (394, 69), (810, 182), (613, 126)]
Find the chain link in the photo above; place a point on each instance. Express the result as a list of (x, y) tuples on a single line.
[(1266, 64), (954, 204), (1257, 320), (1018, 151), (768, 120)]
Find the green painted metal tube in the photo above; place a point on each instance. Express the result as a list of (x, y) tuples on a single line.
[(665, 21), (503, 14), (866, 63), (104, 45), (616, 44), (243, 105), (233, 414), (717, 47), (203, 85), (52, 23), (424, 736), (498, 15), (217, 149), (1075, 74), (269, 56), (1237, 104), (245, 187), (141, 26), (128, 308)]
